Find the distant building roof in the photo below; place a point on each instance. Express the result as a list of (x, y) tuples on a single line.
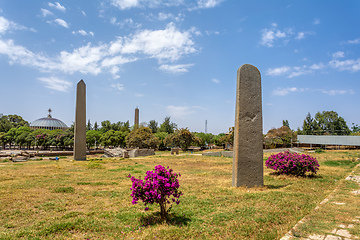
[(48, 123)]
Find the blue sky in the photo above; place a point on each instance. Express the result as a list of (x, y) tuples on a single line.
[(179, 58)]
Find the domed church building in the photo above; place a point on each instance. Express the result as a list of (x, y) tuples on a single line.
[(49, 123)]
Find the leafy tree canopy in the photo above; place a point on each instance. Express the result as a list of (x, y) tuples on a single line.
[(142, 138), (167, 126)]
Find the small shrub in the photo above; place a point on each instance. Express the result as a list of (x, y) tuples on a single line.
[(157, 187), (64, 190), (319, 150), (292, 163)]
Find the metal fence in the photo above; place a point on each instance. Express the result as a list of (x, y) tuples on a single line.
[(329, 140)]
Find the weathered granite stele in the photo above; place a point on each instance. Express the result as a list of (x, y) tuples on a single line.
[(248, 146), (80, 122)]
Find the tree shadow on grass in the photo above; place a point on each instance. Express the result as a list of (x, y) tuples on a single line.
[(276, 186), (311, 175), (172, 219)]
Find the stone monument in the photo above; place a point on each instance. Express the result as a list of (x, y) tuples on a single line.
[(248, 139), (136, 120), (80, 122)]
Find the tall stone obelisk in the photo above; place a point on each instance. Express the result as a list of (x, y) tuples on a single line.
[(136, 120), (80, 122), (248, 139)]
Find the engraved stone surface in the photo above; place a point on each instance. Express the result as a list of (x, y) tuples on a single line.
[(80, 122), (248, 144)]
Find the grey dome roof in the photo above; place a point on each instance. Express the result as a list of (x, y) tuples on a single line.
[(48, 122)]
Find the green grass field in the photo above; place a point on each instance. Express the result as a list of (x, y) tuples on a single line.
[(69, 199)]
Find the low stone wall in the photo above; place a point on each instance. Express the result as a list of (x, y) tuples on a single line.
[(219, 154), (213, 154), (141, 152)]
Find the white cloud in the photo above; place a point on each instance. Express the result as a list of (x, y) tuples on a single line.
[(166, 45), (83, 32), (290, 90), (317, 66), (212, 32), (351, 65), (208, 3), (45, 12), (269, 36), (300, 35), (298, 71), (60, 22), (286, 91), (127, 4), (294, 71), (139, 95), (278, 71), (214, 80), (338, 54), (57, 6), (180, 68), (7, 25), (169, 44), (180, 111), (125, 23), (355, 41), (316, 21), (83, 13), (337, 92), (118, 86), (124, 4), (85, 59), (165, 16), (56, 84)]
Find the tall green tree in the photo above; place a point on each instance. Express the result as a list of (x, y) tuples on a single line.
[(167, 126), (11, 121), (96, 126), (331, 123), (3, 139), (286, 123), (89, 126), (23, 136), (280, 137), (142, 138), (92, 136), (310, 126), (153, 125), (180, 138)]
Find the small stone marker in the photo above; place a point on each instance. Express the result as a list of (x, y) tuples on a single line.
[(80, 122), (175, 150), (248, 138)]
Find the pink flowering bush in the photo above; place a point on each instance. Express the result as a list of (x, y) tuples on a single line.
[(159, 186), (292, 163)]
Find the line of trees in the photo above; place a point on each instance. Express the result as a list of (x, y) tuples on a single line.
[(324, 123), (14, 130)]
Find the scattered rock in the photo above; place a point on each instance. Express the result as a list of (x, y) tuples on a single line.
[(331, 237), (316, 237), (343, 233)]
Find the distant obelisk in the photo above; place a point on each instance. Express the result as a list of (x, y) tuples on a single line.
[(80, 122), (248, 139), (136, 121)]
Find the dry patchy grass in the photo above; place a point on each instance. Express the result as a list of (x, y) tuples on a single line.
[(91, 199)]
